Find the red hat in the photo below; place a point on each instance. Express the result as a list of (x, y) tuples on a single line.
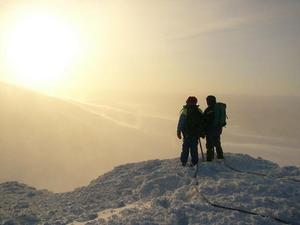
[(192, 100)]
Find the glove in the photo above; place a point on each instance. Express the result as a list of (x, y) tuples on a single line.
[(202, 134), (179, 134)]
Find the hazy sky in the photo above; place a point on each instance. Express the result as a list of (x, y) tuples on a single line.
[(224, 46), (88, 50)]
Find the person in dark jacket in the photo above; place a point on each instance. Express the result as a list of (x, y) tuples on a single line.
[(190, 125), (213, 132)]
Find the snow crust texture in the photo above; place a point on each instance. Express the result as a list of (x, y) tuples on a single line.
[(162, 192)]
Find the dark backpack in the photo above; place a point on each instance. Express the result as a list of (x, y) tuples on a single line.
[(220, 115), (194, 121)]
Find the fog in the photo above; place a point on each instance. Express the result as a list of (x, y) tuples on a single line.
[(61, 144)]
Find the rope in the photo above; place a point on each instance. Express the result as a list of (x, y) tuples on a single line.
[(259, 174), (232, 208)]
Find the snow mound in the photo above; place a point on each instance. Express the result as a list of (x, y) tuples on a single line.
[(164, 192)]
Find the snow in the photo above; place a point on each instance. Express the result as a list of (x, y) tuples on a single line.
[(163, 192)]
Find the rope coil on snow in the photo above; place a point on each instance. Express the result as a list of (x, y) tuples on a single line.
[(232, 208)]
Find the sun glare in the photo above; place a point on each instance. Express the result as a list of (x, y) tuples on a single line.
[(40, 50)]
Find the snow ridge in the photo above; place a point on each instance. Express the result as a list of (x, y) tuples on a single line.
[(291, 178), (163, 192), (240, 210)]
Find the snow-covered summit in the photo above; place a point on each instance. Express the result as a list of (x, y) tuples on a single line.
[(164, 192)]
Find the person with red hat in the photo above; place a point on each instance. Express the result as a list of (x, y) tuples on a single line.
[(190, 126)]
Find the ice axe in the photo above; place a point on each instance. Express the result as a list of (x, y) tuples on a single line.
[(201, 150)]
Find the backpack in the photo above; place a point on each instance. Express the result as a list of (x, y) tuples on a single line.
[(194, 121), (220, 115)]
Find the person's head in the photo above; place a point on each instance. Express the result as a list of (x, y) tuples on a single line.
[(211, 100), (192, 100)]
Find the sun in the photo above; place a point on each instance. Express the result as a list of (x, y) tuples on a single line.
[(41, 49)]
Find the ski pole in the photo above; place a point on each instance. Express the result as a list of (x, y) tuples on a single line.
[(201, 149)]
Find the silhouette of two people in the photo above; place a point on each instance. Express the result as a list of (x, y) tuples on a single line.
[(193, 124)]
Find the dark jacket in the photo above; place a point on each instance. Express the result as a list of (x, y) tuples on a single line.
[(209, 117), (186, 126)]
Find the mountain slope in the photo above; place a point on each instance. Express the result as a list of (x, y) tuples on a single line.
[(45, 140), (163, 192)]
